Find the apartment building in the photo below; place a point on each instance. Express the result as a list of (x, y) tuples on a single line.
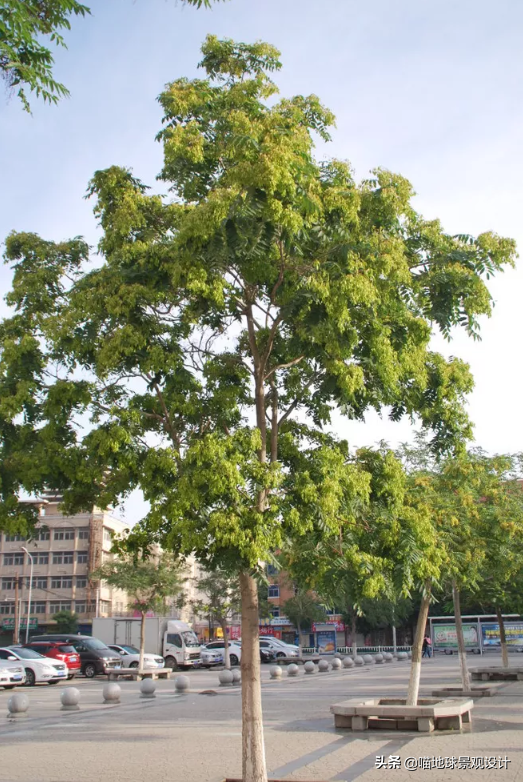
[(63, 551)]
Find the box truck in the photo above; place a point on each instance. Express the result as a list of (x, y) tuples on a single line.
[(173, 639)]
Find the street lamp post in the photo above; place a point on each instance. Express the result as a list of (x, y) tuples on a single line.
[(30, 593)]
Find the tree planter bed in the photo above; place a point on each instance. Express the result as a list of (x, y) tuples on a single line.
[(393, 714), (458, 692), (496, 674)]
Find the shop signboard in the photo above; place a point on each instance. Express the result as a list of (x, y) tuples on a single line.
[(9, 624), (333, 621), (326, 641), (444, 636), (513, 632)]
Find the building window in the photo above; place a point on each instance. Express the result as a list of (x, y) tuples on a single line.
[(7, 608), (274, 590), (39, 607), (272, 570), (15, 538), (62, 582), (59, 605), (108, 537), (63, 557), (275, 611), (81, 557), (105, 606), (80, 606), (8, 583), (39, 582), (81, 582), (41, 559), (64, 534), (83, 534), (13, 559), (42, 534)]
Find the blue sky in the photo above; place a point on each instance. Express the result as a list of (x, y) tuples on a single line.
[(431, 90)]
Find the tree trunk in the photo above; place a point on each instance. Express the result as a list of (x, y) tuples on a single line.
[(462, 652), (502, 637), (353, 633), (253, 748), (299, 639), (142, 641), (226, 655), (415, 667)]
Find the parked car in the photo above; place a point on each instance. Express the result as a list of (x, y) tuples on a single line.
[(95, 656), (210, 657), (279, 648), (131, 657), (38, 669), (235, 650), (57, 650), (267, 656), (12, 674)]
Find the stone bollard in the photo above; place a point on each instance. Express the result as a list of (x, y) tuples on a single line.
[(276, 672), (147, 688), (17, 706), (226, 678), (111, 692), (236, 676), (368, 659), (182, 683), (378, 658), (388, 657), (293, 669), (70, 697), (336, 664), (309, 667), (409, 654), (359, 660), (348, 662), (323, 666), (403, 656)]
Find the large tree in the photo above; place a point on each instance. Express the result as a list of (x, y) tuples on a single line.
[(222, 326), (26, 27)]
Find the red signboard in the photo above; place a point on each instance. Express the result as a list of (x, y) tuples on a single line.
[(332, 620), (235, 631), (268, 630)]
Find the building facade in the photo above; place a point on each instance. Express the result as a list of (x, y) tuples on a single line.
[(63, 550)]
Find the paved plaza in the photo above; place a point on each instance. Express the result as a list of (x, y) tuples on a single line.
[(196, 737)]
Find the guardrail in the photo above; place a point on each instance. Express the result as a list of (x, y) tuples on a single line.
[(360, 649)]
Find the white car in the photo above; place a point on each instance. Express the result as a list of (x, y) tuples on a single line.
[(235, 650), (279, 648), (211, 657), (37, 668), (131, 657), (12, 674)]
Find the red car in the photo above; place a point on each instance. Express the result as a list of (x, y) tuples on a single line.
[(59, 651)]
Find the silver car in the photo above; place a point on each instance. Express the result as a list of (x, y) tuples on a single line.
[(12, 674), (37, 667)]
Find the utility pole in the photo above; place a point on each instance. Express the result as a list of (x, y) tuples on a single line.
[(17, 618)]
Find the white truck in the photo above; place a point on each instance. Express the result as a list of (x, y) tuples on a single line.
[(174, 640)]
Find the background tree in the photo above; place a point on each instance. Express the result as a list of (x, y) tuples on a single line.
[(66, 622), (221, 601), (25, 28), (148, 582), (302, 610), (270, 290)]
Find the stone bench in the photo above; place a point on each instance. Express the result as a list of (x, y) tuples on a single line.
[(496, 674), (136, 675), (393, 714)]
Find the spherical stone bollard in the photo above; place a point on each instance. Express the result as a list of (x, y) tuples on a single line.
[(336, 664), (403, 656), (309, 667), (17, 706), (378, 658), (368, 659), (348, 662), (226, 678), (293, 669), (276, 672), (182, 683), (323, 666), (236, 676), (111, 692), (70, 697), (409, 653), (388, 657), (147, 688), (359, 660)]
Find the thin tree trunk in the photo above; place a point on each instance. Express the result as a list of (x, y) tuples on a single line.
[(502, 637), (299, 639), (253, 748), (415, 667), (353, 633), (462, 652), (142, 642), (226, 655)]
